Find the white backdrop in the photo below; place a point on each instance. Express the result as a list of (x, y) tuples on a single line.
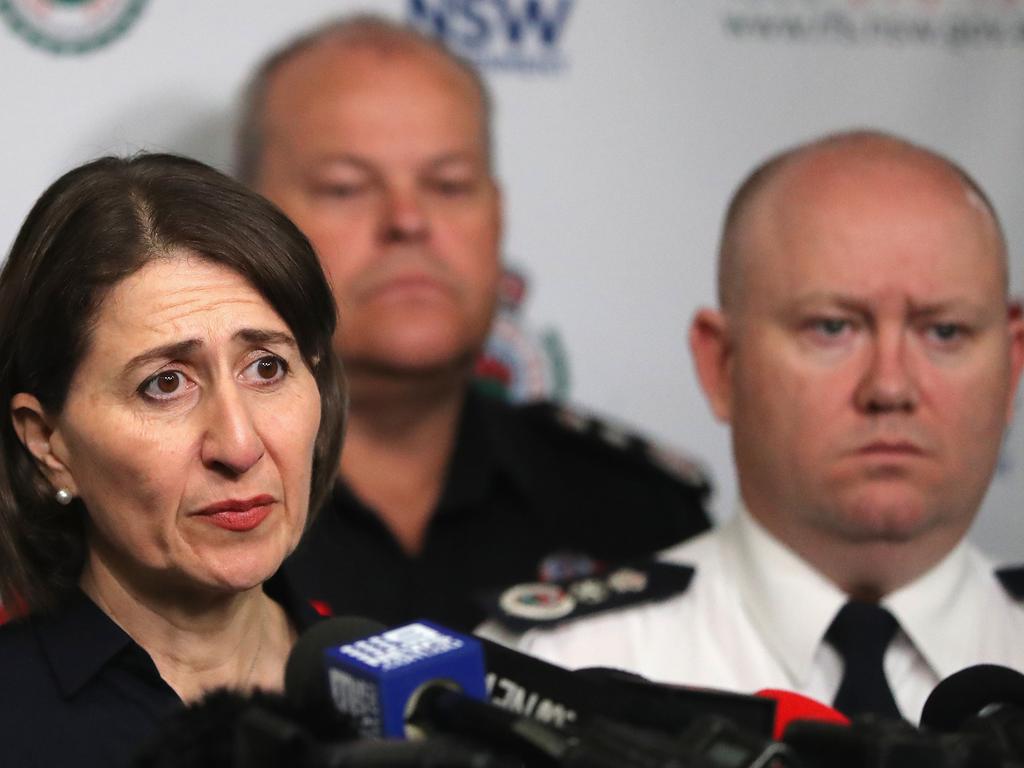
[(619, 139)]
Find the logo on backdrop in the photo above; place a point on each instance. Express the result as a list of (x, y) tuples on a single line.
[(519, 364), (520, 35), (70, 26), (951, 24)]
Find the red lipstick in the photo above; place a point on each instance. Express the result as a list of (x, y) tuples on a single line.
[(238, 514)]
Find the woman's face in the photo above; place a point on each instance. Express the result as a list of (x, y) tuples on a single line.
[(188, 430)]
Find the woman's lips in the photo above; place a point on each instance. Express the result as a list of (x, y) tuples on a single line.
[(237, 514)]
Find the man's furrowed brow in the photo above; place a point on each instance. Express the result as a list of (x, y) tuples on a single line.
[(830, 298)]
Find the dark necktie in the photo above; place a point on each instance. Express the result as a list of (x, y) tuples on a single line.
[(860, 633)]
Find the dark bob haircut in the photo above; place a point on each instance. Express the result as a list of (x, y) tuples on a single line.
[(92, 228)]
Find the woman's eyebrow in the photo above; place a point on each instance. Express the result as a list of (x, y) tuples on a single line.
[(181, 349), (261, 336), (174, 350)]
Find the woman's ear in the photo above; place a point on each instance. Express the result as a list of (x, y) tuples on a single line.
[(37, 433), (712, 356)]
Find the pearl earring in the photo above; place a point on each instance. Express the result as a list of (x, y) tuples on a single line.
[(63, 496)]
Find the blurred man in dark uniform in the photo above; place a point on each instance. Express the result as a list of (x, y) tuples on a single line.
[(376, 141)]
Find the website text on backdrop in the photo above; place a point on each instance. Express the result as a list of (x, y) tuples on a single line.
[(865, 355), (377, 142)]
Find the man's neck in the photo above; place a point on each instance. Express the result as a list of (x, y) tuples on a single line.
[(400, 439), (867, 569)]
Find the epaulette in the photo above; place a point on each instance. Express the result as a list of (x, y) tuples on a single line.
[(547, 604), (1012, 579), (620, 437)]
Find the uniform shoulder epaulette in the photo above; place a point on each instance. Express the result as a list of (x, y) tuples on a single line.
[(547, 604), (1012, 579), (618, 437)]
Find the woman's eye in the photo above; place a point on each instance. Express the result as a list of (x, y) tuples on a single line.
[(266, 370), (165, 385)]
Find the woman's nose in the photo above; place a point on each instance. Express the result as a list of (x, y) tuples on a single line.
[(231, 442)]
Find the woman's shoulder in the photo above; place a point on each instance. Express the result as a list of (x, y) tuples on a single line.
[(29, 691), (52, 712), (18, 646), (24, 671)]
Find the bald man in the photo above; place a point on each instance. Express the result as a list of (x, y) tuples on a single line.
[(375, 140), (865, 356)]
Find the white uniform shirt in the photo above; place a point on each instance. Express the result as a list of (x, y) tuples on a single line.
[(755, 616)]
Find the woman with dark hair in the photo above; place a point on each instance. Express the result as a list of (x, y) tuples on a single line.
[(175, 412)]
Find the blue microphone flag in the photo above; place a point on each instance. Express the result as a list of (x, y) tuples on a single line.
[(376, 680)]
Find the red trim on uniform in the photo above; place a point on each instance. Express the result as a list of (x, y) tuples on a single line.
[(324, 609)]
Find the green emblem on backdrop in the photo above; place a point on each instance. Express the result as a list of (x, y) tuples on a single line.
[(70, 26)]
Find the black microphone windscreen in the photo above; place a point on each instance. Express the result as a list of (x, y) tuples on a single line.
[(967, 692), (305, 683), (198, 735)]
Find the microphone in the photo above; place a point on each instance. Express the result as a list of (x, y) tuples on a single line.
[(557, 696), (791, 707), (984, 702), (972, 719), (228, 729), (969, 693), (419, 679), (220, 729), (378, 679), (305, 684)]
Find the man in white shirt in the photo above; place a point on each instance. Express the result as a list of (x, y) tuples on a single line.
[(866, 357)]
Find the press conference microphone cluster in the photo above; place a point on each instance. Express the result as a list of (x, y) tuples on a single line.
[(356, 691), (422, 679)]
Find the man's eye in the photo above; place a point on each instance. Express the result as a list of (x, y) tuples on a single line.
[(831, 326), (946, 332), (340, 189), (266, 370), (165, 385), (452, 186)]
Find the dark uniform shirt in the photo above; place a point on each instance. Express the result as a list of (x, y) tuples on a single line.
[(76, 690), (524, 483)]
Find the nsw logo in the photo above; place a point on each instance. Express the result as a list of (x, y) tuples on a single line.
[(523, 35), (519, 364)]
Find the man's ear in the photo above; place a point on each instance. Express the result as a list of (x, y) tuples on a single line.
[(1016, 331), (37, 433), (712, 356)]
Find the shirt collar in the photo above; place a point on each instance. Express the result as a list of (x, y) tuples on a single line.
[(79, 641), (790, 604), (950, 588)]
